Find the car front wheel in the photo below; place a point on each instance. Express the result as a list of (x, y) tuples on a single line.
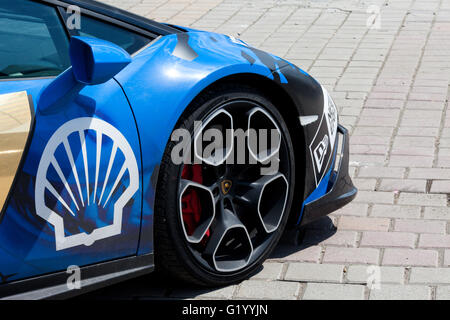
[(221, 211)]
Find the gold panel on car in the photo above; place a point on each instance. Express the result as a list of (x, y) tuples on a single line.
[(15, 123)]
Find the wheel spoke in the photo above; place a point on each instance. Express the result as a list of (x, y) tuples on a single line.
[(197, 205), (264, 135), (229, 247), (266, 199), (213, 141)]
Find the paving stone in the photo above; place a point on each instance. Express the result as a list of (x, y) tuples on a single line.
[(371, 140), (429, 173), (381, 172), (418, 141), (440, 186), (314, 272), (430, 275), (259, 289), (434, 241), (368, 274), (443, 293), (414, 131), (420, 226), (403, 185), (342, 238), (329, 291), (394, 211), (438, 213), (423, 199), (410, 257), (353, 209), (376, 131), (369, 149), (362, 223), (309, 254), (270, 271), (351, 255), (388, 239), (365, 184), (447, 258), (375, 197), (400, 292), (411, 161)]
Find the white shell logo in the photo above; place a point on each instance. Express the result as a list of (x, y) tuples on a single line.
[(100, 182)]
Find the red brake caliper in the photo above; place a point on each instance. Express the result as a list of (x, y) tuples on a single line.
[(191, 206)]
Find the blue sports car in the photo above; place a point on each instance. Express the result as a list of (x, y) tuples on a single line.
[(127, 144)]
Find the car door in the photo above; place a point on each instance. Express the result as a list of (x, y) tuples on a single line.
[(70, 173)]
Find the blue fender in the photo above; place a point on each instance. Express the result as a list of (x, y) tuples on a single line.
[(163, 80)]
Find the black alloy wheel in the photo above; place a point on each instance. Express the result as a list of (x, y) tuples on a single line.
[(221, 212)]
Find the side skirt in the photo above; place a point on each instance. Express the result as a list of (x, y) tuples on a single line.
[(93, 277)]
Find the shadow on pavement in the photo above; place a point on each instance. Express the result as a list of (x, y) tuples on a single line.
[(307, 236), (156, 286)]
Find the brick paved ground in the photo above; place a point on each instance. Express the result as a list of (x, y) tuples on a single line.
[(391, 85)]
